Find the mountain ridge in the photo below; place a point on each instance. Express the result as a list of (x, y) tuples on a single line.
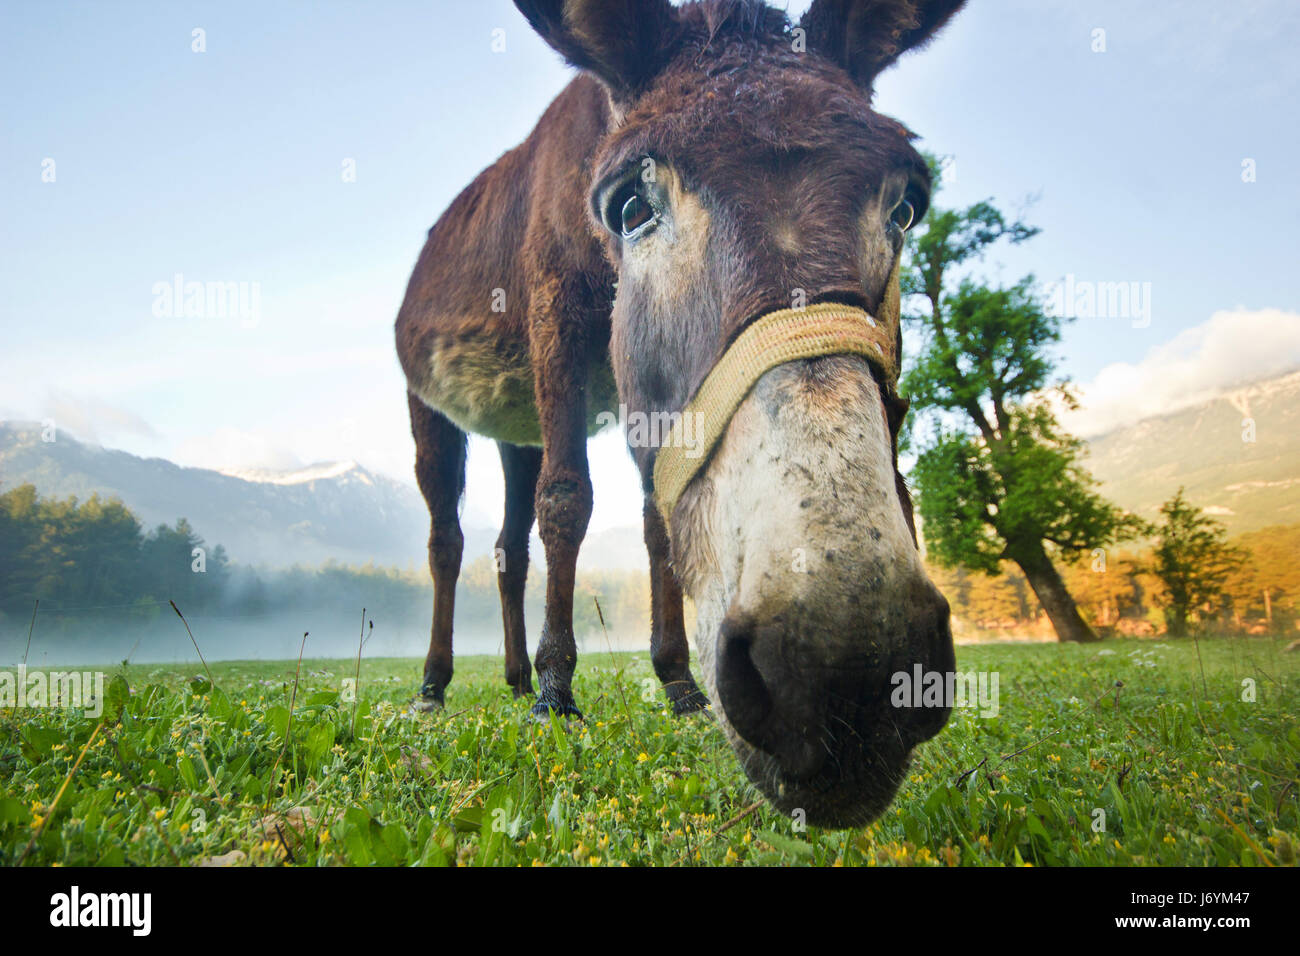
[(341, 511), (344, 514), (1237, 455), (338, 511)]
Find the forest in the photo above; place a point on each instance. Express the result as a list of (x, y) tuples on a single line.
[(1120, 594)]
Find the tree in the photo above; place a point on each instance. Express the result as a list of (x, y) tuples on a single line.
[(1192, 561), (1107, 588), (103, 549), (1269, 583), (19, 526), (997, 477)]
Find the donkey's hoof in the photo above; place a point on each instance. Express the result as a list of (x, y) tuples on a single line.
[(523, 690), (685, 695), (691, 702), (423, 704), (543, 708)]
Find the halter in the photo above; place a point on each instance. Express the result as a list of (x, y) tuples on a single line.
[(774, 339)]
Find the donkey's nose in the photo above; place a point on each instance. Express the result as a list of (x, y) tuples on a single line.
[(766, 703)]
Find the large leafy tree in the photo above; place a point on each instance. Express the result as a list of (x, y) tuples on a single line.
[(997, 477), (1192, 560)]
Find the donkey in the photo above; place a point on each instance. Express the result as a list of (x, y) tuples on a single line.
[(711, 194)]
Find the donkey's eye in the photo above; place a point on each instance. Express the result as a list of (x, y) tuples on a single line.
[(903, 215), (629, 212), (636, 213)]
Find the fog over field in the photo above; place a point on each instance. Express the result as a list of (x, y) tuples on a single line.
[(108, 638)]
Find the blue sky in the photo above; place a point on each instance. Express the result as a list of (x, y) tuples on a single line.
[(226, 166)]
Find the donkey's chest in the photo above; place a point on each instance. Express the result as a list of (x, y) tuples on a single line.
[(487, 386)]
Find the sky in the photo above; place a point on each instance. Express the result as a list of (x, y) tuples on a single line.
[(306, 149)]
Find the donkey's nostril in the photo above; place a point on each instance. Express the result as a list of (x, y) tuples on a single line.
[(750, 696), (747, 700)]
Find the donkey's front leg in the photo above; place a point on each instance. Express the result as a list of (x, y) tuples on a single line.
[(559, 356), (669, 651)]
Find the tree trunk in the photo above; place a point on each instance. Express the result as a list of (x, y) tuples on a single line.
[(1268, 608), (1052, 594), (1176, 621)]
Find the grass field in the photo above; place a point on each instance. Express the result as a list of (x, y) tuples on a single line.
[(1124, 753)]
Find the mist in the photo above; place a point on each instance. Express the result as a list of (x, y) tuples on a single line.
[(105, 639)]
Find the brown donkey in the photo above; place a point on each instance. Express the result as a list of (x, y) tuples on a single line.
[(709, 218)]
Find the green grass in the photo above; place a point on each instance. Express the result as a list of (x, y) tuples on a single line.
[(1186, 772)]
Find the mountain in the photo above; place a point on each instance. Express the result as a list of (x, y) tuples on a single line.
[(339, 511), (1244, 484), (343, 512), (335, 510)]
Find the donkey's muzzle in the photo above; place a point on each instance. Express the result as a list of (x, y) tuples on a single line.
[(813, 701)]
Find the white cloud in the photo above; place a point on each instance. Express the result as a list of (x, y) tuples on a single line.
[(1230, 349), (233, 449), (92, 419)]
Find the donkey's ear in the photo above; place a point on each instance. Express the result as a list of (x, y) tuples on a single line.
[(866, 36), (624, 43)]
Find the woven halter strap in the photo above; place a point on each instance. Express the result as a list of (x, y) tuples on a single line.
[(774, 339)]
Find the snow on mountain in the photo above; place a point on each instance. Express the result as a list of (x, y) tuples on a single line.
[(320, 471)]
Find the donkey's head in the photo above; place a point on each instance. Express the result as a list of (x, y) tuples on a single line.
[(744, 173)]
